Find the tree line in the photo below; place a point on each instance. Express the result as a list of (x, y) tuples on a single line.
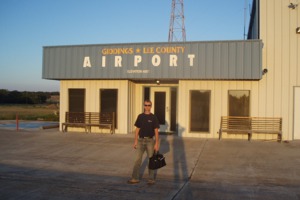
[(25, 97)]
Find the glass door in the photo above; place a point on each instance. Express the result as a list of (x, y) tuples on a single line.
[(160, 97), (296, 113)]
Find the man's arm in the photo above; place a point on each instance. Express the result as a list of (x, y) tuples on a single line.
[(156, 146), (137, 130)]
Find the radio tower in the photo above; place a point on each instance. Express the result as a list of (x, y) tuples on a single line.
[(177, 28)]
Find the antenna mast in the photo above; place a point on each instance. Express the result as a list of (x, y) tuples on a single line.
[(245, 19), (177, 27)]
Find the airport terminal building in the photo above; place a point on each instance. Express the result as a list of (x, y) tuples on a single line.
[(191, 84)]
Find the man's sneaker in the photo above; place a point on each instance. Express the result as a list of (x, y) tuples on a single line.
[(133, 181), (150, 182)]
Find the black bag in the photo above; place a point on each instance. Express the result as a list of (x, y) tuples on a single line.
[(157, 161)]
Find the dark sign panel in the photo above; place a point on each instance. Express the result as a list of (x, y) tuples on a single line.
[(190, 60)]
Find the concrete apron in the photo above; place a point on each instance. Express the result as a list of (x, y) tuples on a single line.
[(47, 164)]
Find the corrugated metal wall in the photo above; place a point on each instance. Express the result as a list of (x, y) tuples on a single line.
[(281, 55), (92, 99), (218, 105), (221, 60), (272, 96), (253, 31)]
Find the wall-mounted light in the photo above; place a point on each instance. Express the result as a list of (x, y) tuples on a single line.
[(264, 71), (292, 5), (157, 82), (298, 30)]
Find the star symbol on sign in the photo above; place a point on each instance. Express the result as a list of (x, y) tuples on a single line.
[(138, 50)]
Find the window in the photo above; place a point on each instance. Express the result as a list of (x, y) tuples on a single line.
[(160, 107), (146, 93), (76, 100), (239, 103), (199, 110), (109, 101)]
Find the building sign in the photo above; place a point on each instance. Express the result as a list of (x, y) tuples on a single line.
[(189, 60), (116, 56)]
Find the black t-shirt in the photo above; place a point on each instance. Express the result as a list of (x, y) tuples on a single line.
[(147, 123)]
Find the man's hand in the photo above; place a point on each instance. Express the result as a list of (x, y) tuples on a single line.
[(136, 136), (156, 148)]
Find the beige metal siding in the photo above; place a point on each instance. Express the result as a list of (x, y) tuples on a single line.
[(219, 105), (92, 99), (132, 101), (281, 55), (272, 96)]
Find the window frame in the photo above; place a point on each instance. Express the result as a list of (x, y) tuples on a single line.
[(249, 106), (116, 105), (209, 112), (84, 100)]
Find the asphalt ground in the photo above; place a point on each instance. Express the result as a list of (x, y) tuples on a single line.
[(48, 164)]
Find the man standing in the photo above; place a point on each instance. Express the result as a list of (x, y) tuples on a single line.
[(147, 126)]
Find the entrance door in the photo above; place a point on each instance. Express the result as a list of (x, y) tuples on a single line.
[(297, 113), (160, 97)]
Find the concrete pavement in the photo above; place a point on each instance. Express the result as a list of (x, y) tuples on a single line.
[(48, 164)]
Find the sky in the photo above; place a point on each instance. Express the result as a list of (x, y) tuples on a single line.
[(26, 26)]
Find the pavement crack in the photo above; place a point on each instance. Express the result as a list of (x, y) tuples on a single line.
[(192, 172)]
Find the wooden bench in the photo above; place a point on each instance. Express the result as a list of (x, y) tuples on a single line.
[(250, 125), (88, 119)]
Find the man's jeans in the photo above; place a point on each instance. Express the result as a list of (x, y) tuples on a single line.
[(144, 144)]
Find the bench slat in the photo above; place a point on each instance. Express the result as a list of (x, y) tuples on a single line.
[(89, 119), (249, 125)]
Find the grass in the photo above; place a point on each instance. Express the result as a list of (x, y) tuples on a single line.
[(45, 112)]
